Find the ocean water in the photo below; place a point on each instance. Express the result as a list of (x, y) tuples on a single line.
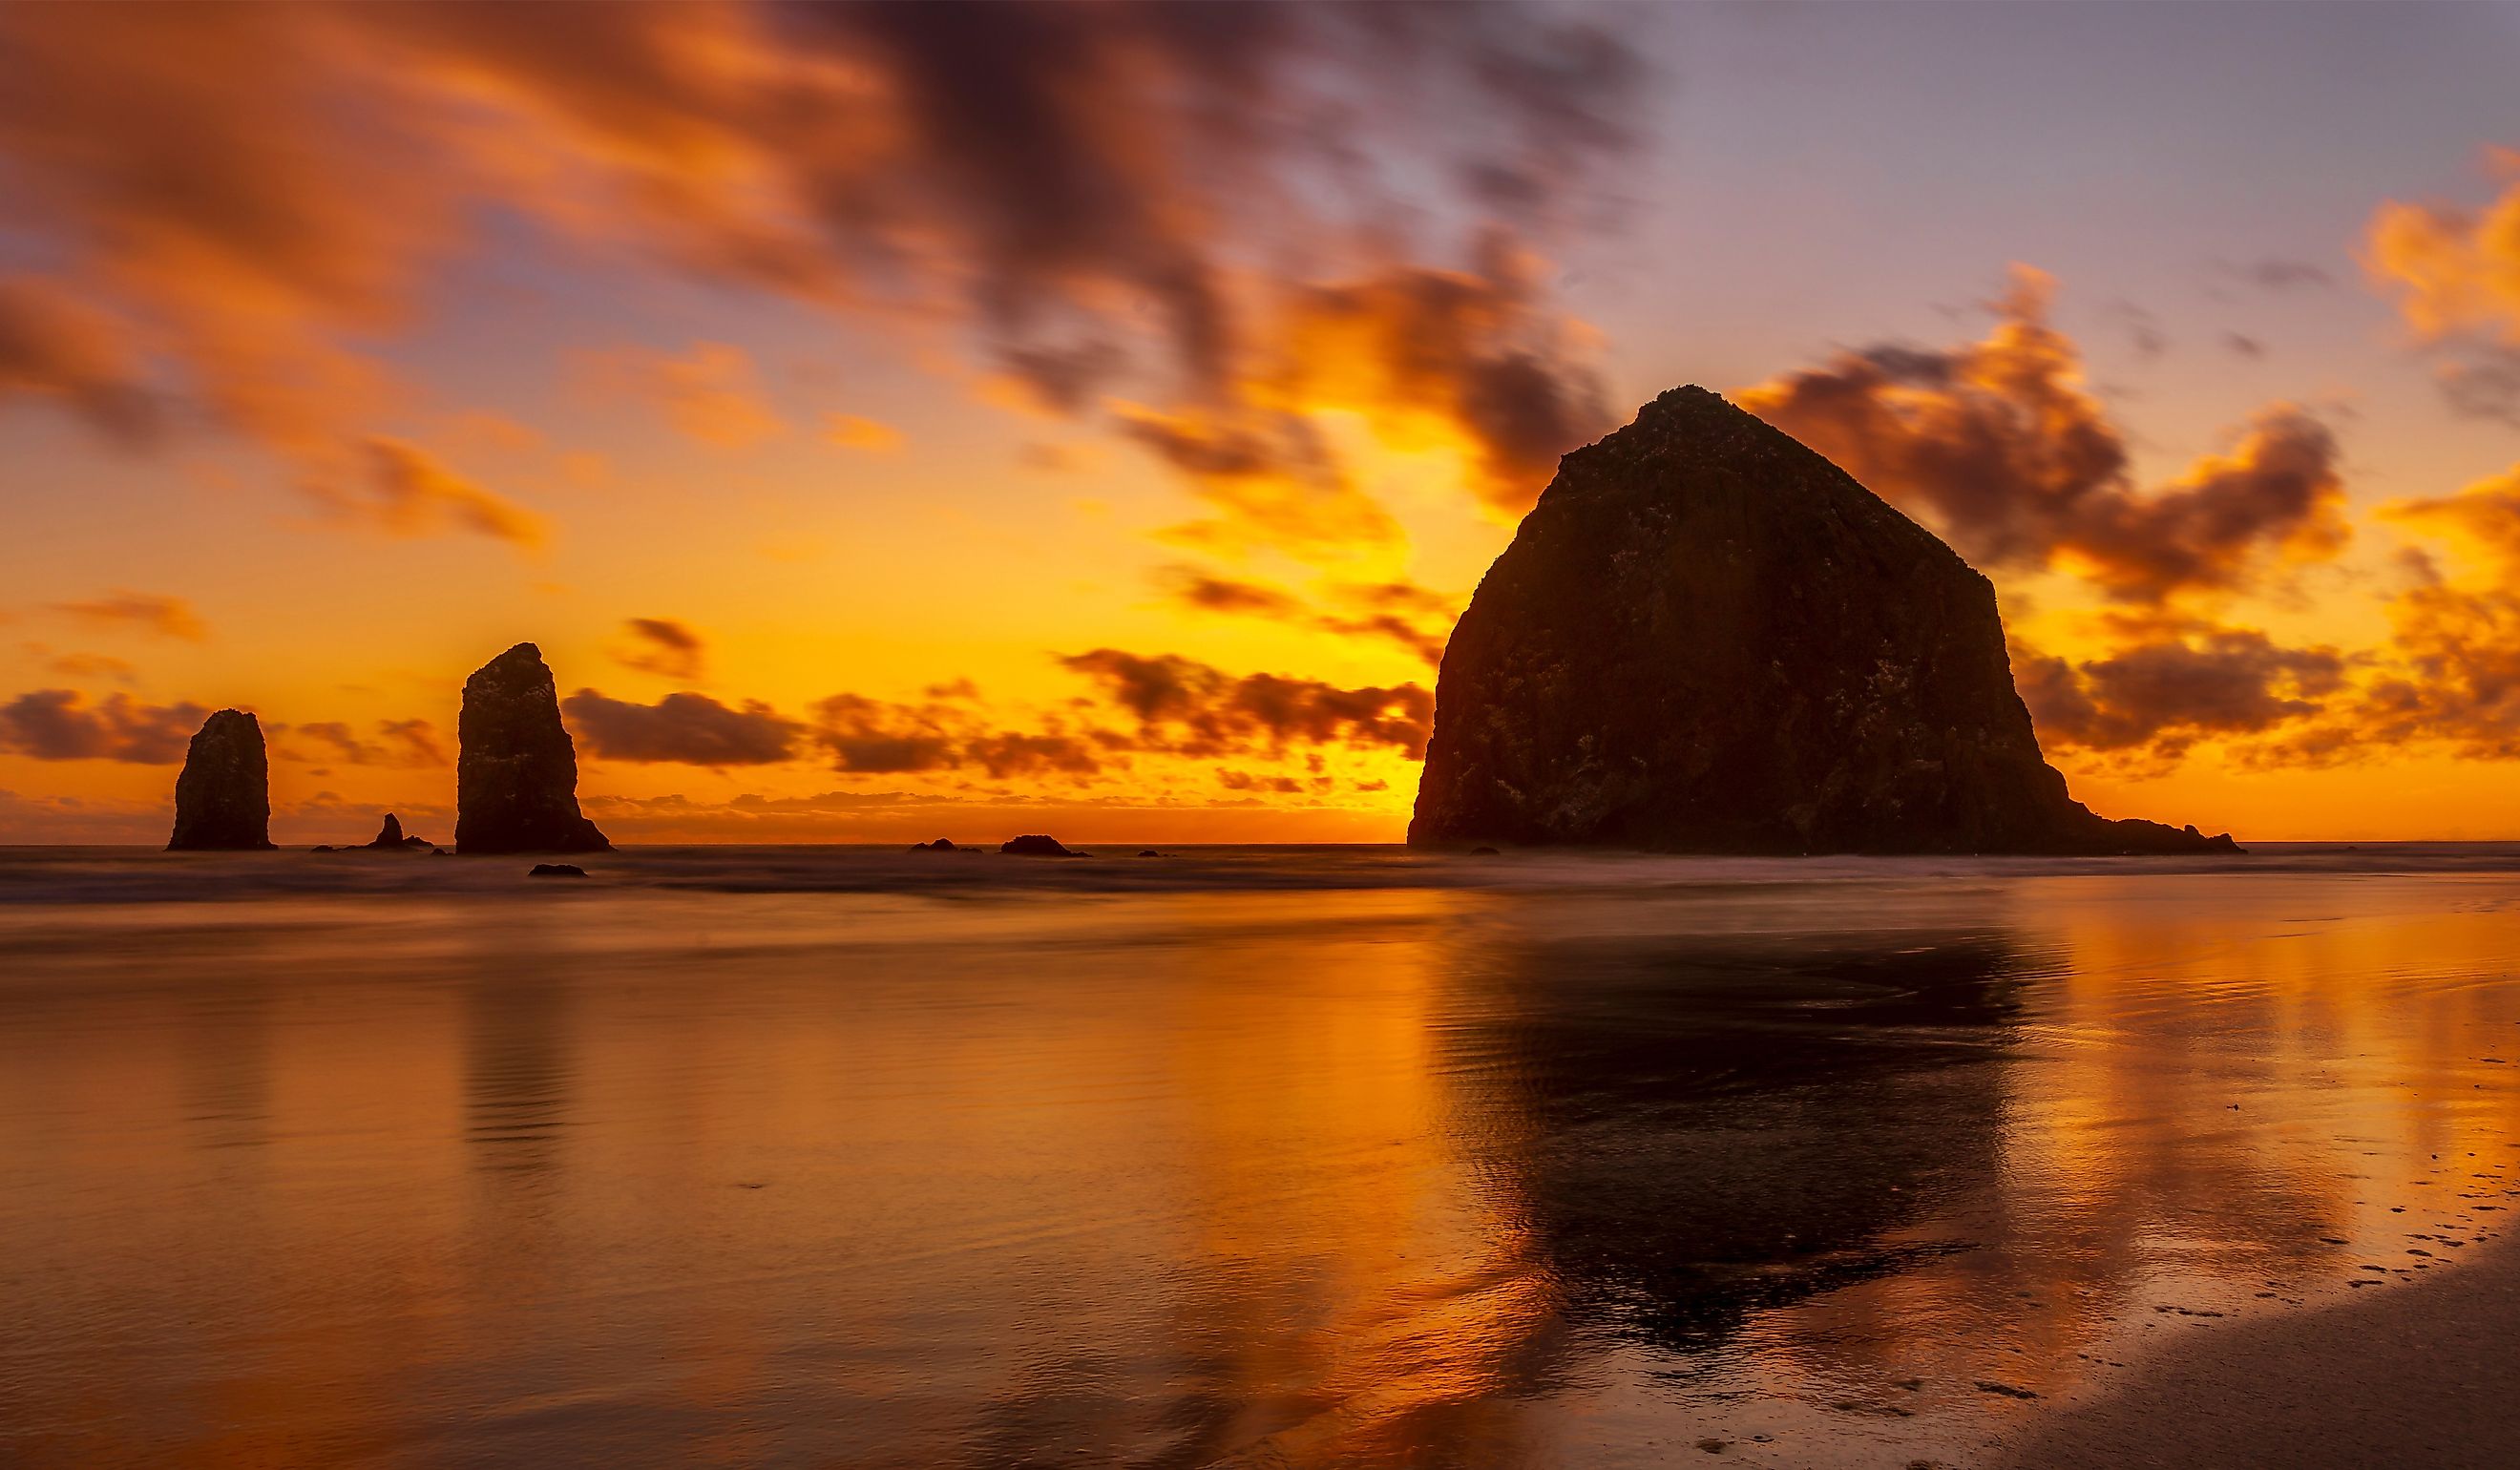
[(1245, 1157)]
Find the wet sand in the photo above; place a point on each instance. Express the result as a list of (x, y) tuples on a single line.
[(1301, 1158), (2423, 1373)]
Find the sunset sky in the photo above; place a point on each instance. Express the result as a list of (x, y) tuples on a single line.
[(905, 422)]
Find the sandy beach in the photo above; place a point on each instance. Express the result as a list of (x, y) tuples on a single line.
[(2419, 1373)]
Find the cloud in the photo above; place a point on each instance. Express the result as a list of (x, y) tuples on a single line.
[(2277, 491), (687, 727), (1429, 359), (1086, 193), (405, 490), (1189, 708), (1998, 445), (875, 736), (2458, 639), (1449, 354), (2486, 385), (2150, 703), (2447, 676), (2451, 268), (404, 745), (76, 665), (61, 724), (150, 612), (1163, 705), (1415, 618), (664, 648), (1210, 592), (853, 431), (1271, 473), (2278, 273), (52, 346), (713, 395)]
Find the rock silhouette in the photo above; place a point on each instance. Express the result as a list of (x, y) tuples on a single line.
[(390, 837), (516, 769), (223, 797), (940, 845), (555, 871), (1035, 846), (1708, 638)]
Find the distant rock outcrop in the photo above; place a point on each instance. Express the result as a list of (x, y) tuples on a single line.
[(1707, 638), (1036, 846), (390, 837), (516, 769), (555, 871), (223, 797), (940, 845)]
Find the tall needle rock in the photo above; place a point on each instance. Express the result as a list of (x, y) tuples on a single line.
[(516, 769), (223, 797), (1707, 638)]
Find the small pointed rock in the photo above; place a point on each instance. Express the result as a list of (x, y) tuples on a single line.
[(223, 797)]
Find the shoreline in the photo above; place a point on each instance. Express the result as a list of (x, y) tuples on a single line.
[(2424, 1372)]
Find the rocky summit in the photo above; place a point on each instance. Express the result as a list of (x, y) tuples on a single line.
[(516, 769), (1707, 638), (223, 797)]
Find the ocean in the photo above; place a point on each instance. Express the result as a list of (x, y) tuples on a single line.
[(1285, 1157)]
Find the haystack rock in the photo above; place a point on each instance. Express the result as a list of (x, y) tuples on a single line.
[(1706, 638), (516, 769), (223, 797)]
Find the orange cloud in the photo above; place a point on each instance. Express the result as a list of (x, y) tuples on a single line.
[(852, 432), (408, 744), (2451, 268), (664, 648), (81, 665), (1271, 473), (1094, 191), (687, 727), (2459, 638), (1447, 357), (407, 492), (713, 395), (1998, 444), (1184, 707), (61, 724), (2146, 705), (1415, 618), (52, 345), (145, 611)]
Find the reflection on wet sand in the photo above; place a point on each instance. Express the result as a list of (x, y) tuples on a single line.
[(1572, 1173)]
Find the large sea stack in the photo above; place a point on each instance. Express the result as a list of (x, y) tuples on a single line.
[(223, 798), (516, 769), (1706, 638)]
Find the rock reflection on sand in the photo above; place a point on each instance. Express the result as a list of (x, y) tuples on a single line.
[(1280, 1159)]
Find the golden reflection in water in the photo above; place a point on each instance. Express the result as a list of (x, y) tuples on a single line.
[(1282, 1179), (2232, 1097)]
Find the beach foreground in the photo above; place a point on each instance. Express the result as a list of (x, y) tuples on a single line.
[(1275, 1157), (2428, 1375)]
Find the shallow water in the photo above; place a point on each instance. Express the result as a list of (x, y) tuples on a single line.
[(1251, 1157)]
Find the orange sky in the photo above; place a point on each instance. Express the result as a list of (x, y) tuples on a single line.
[(958, 421)]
